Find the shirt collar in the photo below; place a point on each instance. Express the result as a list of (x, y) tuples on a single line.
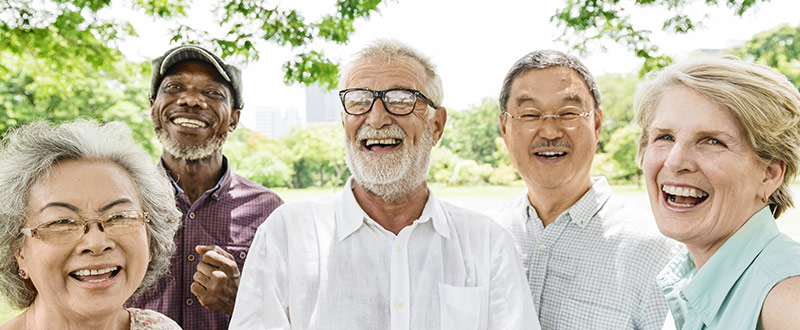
[(350, 216), (585, 208), (710, 286), (223, 184)]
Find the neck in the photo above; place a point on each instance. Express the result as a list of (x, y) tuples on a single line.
[(552, 202), (396, 215), (195, 177), (42, 316)]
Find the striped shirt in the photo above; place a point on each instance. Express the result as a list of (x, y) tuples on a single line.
[(226, 215), (595, 267)]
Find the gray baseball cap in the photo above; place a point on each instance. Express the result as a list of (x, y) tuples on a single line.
[(229, 72)]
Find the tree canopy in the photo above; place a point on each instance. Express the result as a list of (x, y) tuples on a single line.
[(586, 23)]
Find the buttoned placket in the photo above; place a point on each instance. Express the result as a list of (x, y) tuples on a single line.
[(400, 279), (539, 256)]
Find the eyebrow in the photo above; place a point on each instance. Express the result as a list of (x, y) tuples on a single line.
[(570, 98), (76, 209)]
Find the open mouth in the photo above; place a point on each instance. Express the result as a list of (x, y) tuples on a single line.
[(683, 196), (381, 144), (550, 154), (95, 275), (188, 122)]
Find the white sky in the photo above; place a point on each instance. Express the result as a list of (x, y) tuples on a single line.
[(472, 42)]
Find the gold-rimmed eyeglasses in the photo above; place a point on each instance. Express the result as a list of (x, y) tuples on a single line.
[(566, 117), (68, 230)]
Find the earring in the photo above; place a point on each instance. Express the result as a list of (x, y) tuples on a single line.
[(23, 274), (764, 199)]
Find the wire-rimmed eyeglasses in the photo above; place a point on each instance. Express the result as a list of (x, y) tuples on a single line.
[(67, 230), (397, 101), (566, 117)]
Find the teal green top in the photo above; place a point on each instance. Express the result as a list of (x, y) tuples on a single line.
[(728, 292)]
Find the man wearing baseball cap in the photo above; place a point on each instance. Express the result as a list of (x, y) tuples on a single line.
[(195, 102)]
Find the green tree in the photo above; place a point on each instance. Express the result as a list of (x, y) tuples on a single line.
[(778, 48), (471, 134), (593, 22), (258, 158), (622, 147), (318, 155), (114, 92), (66, 34), (617, 103)]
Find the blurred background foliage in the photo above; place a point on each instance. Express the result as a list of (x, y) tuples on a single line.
[(60, 61)]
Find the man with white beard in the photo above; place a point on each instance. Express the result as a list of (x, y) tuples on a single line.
[(384, 253)]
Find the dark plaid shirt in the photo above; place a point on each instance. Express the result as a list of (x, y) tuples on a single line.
[(226, 215)]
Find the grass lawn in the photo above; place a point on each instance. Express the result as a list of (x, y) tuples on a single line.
[(481, 198)]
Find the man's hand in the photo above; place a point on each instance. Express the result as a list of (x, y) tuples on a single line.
[(216, 279)]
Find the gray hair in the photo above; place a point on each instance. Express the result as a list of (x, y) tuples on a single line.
[(764, 102), (29, 154), (388, 49), (542, 59)]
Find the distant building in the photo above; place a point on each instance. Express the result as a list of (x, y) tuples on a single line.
[(275, 123), (322, 107)]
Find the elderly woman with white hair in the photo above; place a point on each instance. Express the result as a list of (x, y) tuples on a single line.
[(86, 221), (719, 147)]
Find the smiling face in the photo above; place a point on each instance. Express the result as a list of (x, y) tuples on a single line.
[(703, 178), (62, 273), (551, 157), (388, 154), (192, 111)]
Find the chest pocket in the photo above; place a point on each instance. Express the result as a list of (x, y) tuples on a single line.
[(462, 308), (238, 252)]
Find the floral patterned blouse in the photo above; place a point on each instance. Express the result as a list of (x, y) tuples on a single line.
[(146, 319)]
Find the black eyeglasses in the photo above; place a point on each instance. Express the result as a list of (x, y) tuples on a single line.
[(397, 101)]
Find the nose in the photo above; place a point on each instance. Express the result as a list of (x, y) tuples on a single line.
[(378, 116), (549, 129), (95, 241), (192, 99), (679, 159)]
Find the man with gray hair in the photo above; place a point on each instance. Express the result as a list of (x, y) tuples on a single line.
[(591, 259), (384, 253)]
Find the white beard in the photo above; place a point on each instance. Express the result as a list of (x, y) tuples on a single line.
[(391, 175), (190, 153)]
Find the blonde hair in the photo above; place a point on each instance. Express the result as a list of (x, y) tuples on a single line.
[(764, 102)]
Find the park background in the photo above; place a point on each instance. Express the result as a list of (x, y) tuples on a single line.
[(67, 59)]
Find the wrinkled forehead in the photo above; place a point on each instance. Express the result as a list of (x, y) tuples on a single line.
[(555, 84), (386, 72)]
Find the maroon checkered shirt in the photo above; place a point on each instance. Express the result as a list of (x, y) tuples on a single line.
[(228, 216)]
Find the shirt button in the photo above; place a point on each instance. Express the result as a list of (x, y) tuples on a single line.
[(242, 255), (215, 195), (542, 247), (190, 257), (189, 301), (191, 215), (398, 247), (399, 304), (682, 296)]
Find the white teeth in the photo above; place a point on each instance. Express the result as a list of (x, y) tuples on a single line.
[(88, 272), (551, 153), (370, 142), (684, 191), (186, 122)]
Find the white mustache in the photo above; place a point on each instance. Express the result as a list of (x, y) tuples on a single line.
[(392, 131), (551, 144)]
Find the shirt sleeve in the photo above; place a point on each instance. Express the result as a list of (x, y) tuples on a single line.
[(261, 301), (510, 301)]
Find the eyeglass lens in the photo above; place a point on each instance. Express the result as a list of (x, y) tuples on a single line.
[(399, 102)]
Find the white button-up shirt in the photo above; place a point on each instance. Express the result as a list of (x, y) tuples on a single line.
[(324, 264)]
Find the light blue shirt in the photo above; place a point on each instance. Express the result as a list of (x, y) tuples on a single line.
[(728, 292)]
